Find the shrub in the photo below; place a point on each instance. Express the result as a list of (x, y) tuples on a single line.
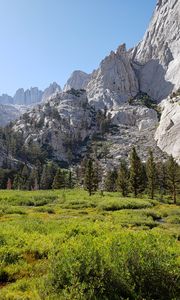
[(125, 266)]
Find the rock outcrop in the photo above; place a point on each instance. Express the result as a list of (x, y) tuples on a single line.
[(6, 99), (78, 80), (168, 132), (28, 97), (157, 57), (114, 82), (8, 113), (62, 124), (51, 91)]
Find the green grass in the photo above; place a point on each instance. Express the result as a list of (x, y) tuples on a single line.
[(67, 245)]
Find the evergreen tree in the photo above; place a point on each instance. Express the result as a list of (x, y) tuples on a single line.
[(18, 182), (59, 180), (173, 177), (135, 173), (110, 180), (70, 181), (48, 173), (151, 174), (90, 178), (123, 179), (25, 178), (162, 179), (34, 179)]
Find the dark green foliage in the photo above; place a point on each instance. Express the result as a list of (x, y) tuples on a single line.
[(173, 177), (136, 179), (151, 174), (110, 180), (123, 179), (48, 173), (161, 179), (59, 180), (91, 177)]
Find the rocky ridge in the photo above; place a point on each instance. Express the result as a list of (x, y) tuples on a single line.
[(65, 123)]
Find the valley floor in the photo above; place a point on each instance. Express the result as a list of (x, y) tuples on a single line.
[(66, 245)]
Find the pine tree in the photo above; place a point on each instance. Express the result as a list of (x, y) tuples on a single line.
[(48, 173), (110, 180), (25, 178), (18, 182), (59, 180), (162, 179), (90, 178), (151, 174), (123, 179), (135, 173), (173, 177)]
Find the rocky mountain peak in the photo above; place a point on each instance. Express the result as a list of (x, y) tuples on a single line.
[(114, 81), (78, 80), (159, 51), (121, 50), (52, 89)]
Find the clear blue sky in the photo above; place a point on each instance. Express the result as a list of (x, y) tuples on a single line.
[(42, 41)]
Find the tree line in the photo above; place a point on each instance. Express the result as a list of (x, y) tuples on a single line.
[(132, 177), (136, 177)]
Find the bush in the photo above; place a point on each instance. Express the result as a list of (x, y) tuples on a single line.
[(128, 266), (80, 270)]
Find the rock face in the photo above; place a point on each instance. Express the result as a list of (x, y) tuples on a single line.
[(168, 132), (158, 55), (63, 123), (8, 113), (114, 81), (6, 99), (78, 80), (28, 97), (51, 91)]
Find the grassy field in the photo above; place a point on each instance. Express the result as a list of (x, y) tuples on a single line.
[(67, 245)]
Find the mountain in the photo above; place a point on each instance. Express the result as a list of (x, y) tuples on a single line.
[(78, 80), (8, 113), (133, 98), (114, 82), (158, 54), (157, 63), (52, 89), (12, 107), (30, 96)]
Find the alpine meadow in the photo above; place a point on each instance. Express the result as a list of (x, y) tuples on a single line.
[(90, 173)]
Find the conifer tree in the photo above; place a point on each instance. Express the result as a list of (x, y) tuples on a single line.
[(18, 182), (161, 178), (135, 173), (123, 179), (110, 180), (25, 178), (151, 174), (59, 180), (173, 177), (90, 178), (48, 173)]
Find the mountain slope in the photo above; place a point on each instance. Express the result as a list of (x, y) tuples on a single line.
[(159, 51)]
